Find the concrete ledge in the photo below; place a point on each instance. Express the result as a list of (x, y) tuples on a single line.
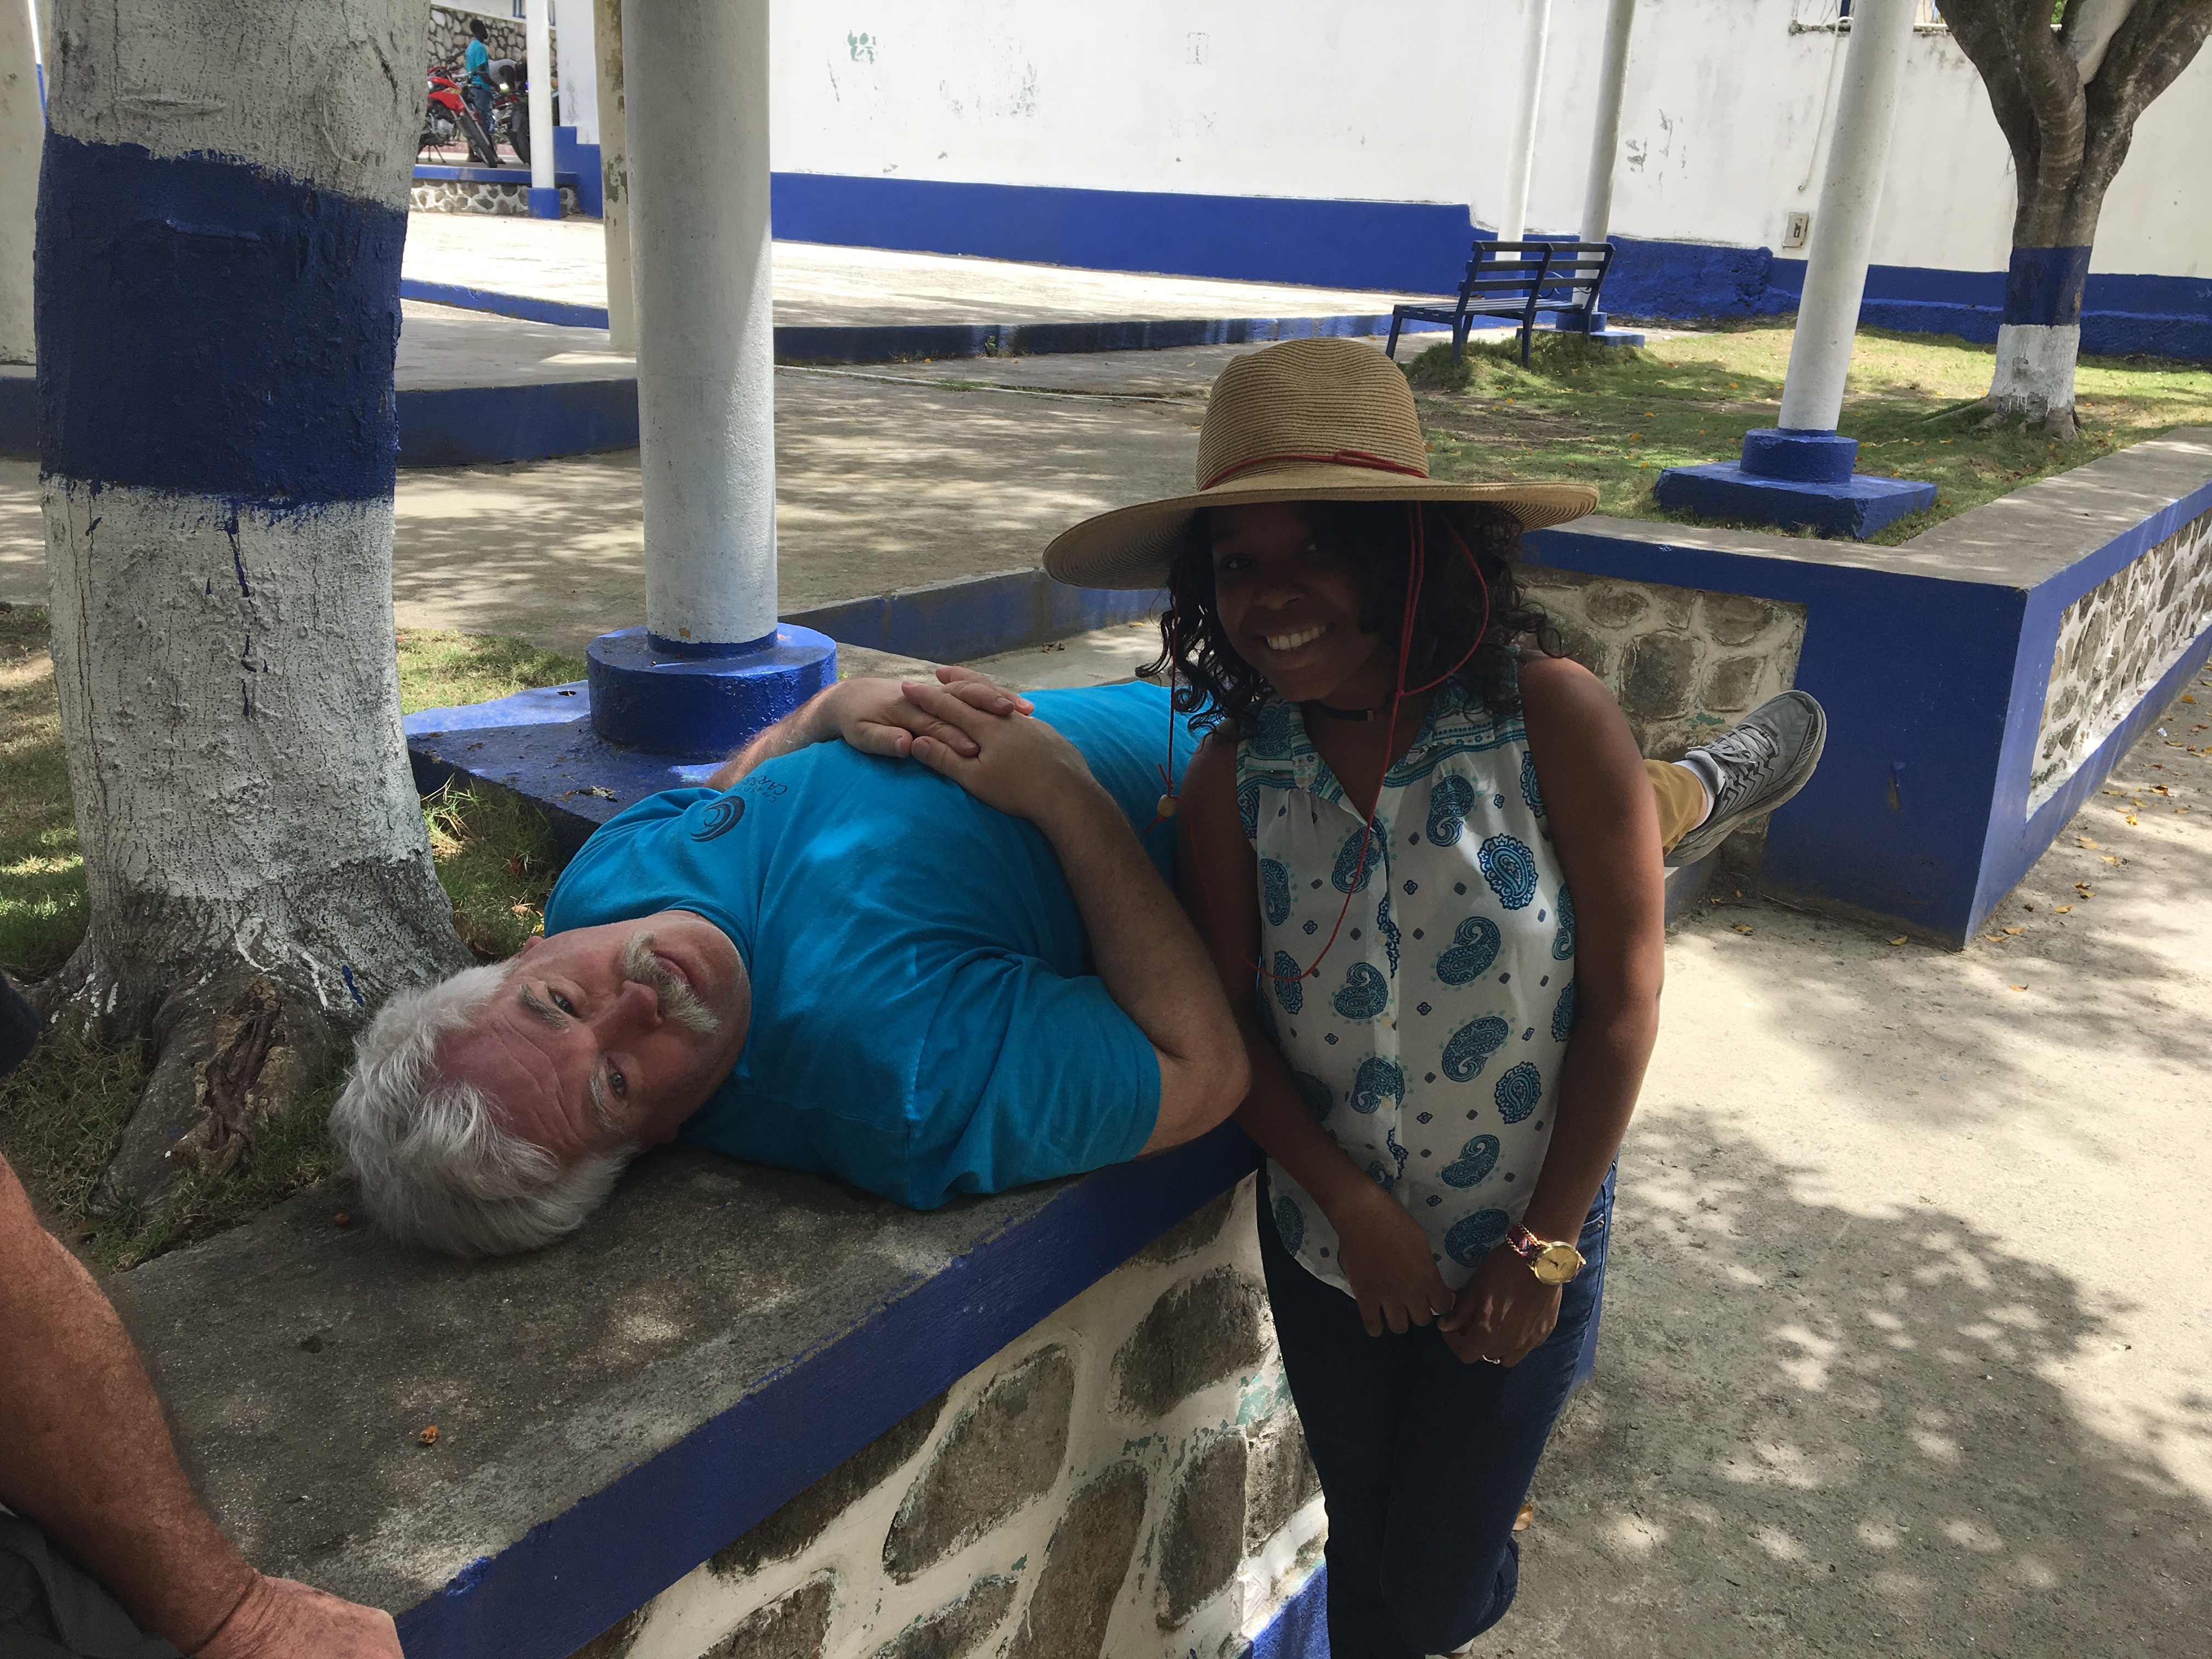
[(1936, 661), (464, 426), (613, 1410), (491, 176), (977, 616)]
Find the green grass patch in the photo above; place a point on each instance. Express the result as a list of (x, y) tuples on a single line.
[(439, 670), (63, 1112), (1617, 419)]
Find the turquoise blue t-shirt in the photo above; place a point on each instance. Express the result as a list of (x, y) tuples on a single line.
[(473, 61), (925, 1018)]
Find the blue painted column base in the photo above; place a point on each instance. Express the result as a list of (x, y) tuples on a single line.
[(545, 203), (1799, 480), (701, 702), (1858, 507)]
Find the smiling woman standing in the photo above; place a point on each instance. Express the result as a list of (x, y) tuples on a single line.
[(1426, 859)]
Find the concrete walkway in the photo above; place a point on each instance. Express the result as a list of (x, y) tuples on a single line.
[(1907, 1332), (565, 260)]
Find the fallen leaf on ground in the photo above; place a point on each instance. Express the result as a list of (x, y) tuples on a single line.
[(429, 1436), (1899, 939), (1741, 928), (2063, 909), (2189, 696), (2013, 931), (2020, 988), (604, 794), (2083, 841), (340, 1219), (519, 910), (1994, 939), (2131, 817), (2110, 859)]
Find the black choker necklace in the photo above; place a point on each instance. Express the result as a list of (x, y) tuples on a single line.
[(1342, 713)]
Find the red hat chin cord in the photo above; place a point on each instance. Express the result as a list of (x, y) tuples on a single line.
[(1416, 572)]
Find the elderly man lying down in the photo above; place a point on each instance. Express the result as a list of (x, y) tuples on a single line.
[(926, 979)]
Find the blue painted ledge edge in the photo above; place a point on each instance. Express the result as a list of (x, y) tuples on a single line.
[(562, 1583)]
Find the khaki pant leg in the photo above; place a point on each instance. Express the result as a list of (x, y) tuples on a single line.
[(1681, 800)]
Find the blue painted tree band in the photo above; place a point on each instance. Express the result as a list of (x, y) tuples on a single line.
[(202, 323), (2044, 286)]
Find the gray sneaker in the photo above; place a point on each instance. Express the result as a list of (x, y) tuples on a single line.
[(1752, 768)]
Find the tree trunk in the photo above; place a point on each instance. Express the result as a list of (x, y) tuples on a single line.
[(2067, 99), (223, 206)]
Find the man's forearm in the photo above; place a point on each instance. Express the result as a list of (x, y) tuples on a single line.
[(1144, 946), (801, 727), (86, 1453)]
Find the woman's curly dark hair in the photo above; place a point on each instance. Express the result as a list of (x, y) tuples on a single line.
[(1372, 537)]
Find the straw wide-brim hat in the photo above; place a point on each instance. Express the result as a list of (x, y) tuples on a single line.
[(1320, 420)]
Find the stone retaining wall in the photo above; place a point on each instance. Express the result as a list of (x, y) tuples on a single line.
[(476, 196), (1684, 663), (1126, 1480), (449, 35), (2115, 643)]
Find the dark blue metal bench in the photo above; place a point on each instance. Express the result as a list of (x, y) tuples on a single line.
[(1521, 279)]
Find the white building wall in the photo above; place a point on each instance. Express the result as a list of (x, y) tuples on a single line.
[(1723, 128)]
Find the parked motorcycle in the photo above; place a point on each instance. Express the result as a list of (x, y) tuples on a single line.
[(448, 118), (510, 109)]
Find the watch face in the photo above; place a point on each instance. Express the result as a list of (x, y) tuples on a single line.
[(1556, 1264)]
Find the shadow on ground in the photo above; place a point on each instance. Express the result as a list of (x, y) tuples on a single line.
[(1864, 1452)]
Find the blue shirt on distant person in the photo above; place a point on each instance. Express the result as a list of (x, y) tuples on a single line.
[(473, 61), (925, 1020)]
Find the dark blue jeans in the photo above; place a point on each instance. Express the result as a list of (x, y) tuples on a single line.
[(1423, 1460)]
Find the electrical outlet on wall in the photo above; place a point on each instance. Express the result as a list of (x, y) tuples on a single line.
[(1797, 229)]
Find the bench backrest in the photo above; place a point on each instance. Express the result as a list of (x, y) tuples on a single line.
[(1555, 272)]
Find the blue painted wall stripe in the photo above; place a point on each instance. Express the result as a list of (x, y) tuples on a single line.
[(1420, 247), (205, 325)]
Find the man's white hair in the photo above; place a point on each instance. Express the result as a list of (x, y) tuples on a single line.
[(433, 1164)]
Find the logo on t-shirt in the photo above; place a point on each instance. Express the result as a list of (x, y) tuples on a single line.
[(721, 817)]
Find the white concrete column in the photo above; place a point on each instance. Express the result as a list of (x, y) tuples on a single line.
[(1605, 141), (614, 173), (699, 246), (575, 51), (1843, 221), (1520, 154), (22, 133), (539, 45)]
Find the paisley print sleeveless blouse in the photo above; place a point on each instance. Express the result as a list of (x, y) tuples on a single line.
[(1429, 1045)]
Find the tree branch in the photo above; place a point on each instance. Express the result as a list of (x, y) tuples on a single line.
[(1978, 27), (2147, 52)]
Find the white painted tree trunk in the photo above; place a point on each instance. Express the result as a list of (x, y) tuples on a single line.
[(223, 200), (2034, 377)]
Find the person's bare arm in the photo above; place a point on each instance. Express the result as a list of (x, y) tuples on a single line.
[(1385, 1253), (86, 1455), (873, 716), (1605, 829), (1144, 947)]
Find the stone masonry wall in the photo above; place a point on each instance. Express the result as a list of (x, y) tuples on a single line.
[(1126, 1480), (1685, 662), (475, 195), (507, 37), (2115, 643)]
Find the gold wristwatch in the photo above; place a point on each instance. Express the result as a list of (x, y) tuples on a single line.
[(1554, 1262)]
